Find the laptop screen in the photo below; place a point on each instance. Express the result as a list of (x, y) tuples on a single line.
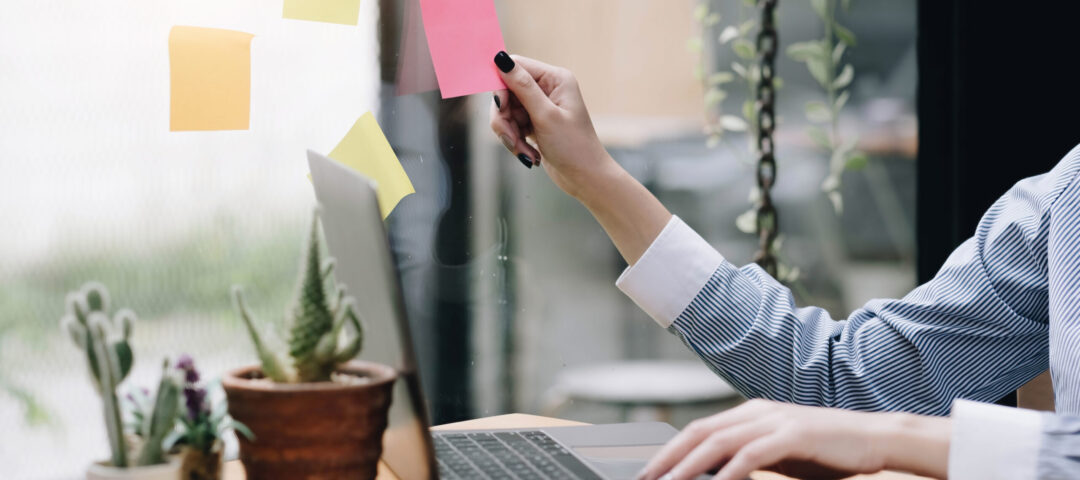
[(356, 238)]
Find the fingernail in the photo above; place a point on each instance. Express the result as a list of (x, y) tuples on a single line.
[(498, 103), (509, 144), (504, 62), (525, 160)]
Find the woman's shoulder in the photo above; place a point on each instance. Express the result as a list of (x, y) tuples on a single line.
[(1063, 180)]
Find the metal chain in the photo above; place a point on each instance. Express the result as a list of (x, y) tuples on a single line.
[(767, 221)]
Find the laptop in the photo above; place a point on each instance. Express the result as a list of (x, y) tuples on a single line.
[(356, 237)]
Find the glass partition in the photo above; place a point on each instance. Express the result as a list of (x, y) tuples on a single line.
[(509, 283)]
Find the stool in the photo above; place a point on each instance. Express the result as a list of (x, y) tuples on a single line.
[(643, 390)]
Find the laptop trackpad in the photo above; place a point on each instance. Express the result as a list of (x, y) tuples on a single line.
[(622, 462), (633, 452), (618, 461)]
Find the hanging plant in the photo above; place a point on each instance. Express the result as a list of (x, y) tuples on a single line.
[(719, 80), (824, 58), (744, 73)]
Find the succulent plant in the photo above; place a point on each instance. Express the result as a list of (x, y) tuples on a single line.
[(316, 322), (104, 340)]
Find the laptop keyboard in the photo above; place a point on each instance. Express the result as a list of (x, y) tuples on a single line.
[(525, 455)]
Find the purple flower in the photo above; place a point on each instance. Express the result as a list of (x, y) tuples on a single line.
[(187, 364), (195, 401)]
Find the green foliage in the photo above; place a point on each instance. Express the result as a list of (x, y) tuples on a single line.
[(320, 311), (182, 277), (824, 60), (35, 414), (105, 341), (745, 73), (718, 82), (202, 427)]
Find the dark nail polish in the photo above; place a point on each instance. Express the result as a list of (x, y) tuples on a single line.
[(504, 62), (525, 160), (498, 103)]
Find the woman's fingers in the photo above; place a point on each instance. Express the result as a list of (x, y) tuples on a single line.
[(760, 453), (695, 433), (521, 82), (501, 99), (512, 136), (719, 446)]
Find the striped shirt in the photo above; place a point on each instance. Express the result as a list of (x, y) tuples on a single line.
[(1004, 307)]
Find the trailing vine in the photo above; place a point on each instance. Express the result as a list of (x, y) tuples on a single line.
[(719, 81), (824, 58)]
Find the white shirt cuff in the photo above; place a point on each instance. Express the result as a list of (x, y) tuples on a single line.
[(993, 442), (671, 272)]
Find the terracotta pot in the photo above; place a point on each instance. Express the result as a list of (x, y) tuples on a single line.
[(105, 471), (311, 431)]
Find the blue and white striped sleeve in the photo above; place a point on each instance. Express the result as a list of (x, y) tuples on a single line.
[(990, 442), (977, 330)]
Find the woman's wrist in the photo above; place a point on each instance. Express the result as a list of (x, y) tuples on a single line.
[(629, 213), (917, 444), (588, 185)]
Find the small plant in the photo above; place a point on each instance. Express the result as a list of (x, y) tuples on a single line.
[(316, 321), (104, 339), (201, 427)]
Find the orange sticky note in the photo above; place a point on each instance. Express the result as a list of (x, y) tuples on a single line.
[(345, 12), (366, 150), (210, 79)]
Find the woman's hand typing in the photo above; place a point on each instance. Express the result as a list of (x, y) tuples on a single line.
[(805, 442)]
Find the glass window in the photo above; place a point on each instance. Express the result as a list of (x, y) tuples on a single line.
[(509, 283)]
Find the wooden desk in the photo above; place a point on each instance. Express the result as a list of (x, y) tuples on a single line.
[(235, 471)]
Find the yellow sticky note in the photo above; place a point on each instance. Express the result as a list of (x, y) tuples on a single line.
[(345, 12), (210, 76), (366, 150)]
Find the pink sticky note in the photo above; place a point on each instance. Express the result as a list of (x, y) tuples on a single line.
[(463, 36), (415, 72)]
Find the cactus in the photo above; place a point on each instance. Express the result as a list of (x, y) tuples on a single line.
[(109, 357), (162, 419), (105, 342), (316, 322)]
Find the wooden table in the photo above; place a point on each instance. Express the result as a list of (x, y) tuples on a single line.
[(235, 471)]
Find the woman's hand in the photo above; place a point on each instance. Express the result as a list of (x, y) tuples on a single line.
[(546, 105), (804, 442)]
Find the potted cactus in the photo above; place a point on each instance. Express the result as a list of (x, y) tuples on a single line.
[(104, 340), (315, 413)]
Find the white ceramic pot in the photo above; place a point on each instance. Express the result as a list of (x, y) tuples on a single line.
[(102, 471)]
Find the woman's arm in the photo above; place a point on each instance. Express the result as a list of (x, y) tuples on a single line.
[(975, 331)]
